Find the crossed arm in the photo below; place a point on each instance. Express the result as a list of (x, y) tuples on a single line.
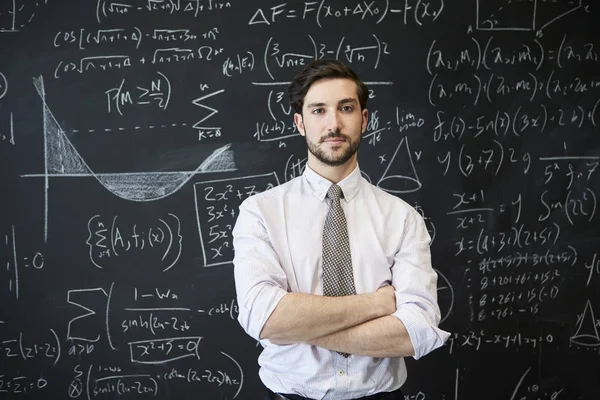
[(358, 324), (370, 324)]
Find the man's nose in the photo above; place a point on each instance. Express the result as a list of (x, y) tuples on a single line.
[(335, 122)]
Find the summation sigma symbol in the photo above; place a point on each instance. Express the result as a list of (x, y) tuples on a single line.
[(523, 15), (62, 160), (108, 239)]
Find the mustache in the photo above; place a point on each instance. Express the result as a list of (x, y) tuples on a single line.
[(333, 135)]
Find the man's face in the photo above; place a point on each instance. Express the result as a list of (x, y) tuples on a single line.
[(332, 121)]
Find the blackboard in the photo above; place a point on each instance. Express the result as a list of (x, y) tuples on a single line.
[(131, 130)]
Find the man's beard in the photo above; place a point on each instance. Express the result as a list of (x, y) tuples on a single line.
[(327, 159)]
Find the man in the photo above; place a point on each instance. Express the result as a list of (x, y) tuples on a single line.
[(333, 275)]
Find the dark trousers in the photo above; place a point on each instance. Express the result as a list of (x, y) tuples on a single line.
[(395, 395)]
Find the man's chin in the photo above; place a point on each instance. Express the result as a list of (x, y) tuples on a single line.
[(335, 161)]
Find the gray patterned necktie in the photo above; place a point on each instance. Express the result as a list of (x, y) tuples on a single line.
[(338, 277)]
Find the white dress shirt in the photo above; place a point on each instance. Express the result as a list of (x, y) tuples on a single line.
[(277, 240)]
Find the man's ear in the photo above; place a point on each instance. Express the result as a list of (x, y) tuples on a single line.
[(365, 119), (299, 123)]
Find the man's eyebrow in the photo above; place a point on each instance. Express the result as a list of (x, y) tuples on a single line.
[(349, 100)]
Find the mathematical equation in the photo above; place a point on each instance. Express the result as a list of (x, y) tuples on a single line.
[(518, 237), (98, 380), (21, 384), (109, 8), (494, 53), (16, 263), (108, 240), (217, 203), (419, 12), (480, 340), (496, 86), (141, 312), (537, 118), (507, 300), (84, 39), (26, 349), (157, 93), (277, 58), (161, 56), (571, 193)]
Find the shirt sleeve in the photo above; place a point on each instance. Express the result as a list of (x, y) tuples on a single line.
[(260, 281), (415, 282)]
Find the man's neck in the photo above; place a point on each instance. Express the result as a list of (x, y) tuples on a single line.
[(334, 174)]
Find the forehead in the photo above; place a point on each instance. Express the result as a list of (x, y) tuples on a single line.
[(330, 91)]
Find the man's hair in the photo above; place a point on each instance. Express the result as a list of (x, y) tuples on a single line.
[(323, 69)]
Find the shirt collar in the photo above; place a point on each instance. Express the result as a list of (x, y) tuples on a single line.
[(319, 185)]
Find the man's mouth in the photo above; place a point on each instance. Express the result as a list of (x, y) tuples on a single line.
[(335, 140)]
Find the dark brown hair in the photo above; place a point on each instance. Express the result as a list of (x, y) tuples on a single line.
[(323, 69)]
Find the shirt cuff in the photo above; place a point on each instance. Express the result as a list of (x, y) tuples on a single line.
[(252, 317), (424, 335)]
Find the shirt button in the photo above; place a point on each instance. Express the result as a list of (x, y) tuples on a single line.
[(341, 372)]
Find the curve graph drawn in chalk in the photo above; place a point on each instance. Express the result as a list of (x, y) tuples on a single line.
[(63, 160)]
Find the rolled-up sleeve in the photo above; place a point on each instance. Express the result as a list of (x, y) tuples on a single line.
[(260, 281), (415, 282)]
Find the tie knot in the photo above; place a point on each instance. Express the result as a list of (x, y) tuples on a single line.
[(335, 193)]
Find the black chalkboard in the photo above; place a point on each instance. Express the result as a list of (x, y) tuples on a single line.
[(131, 130)]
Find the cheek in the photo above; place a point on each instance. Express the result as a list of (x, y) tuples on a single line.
[(313, 127), (355, 124)]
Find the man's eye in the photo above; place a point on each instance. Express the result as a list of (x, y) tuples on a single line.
[(347, 108), (317, 111)]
